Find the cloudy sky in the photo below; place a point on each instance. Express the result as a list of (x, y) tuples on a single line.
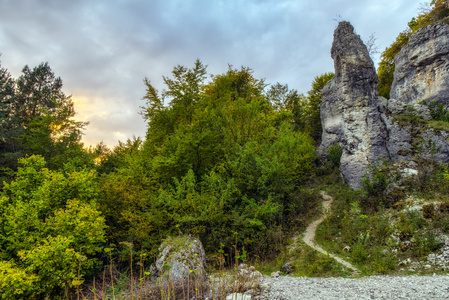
[(103, 49)]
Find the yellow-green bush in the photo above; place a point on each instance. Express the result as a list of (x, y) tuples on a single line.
[(16, 283), (50, 229)]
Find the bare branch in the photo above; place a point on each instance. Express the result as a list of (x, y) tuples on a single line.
[(371, 45)]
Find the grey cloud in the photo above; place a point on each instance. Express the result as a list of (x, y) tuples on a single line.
[(103, 49)]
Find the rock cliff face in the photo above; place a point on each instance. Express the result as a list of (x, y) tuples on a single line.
[(422, 66), (421, 73), (412, 137), (370, 128), (350, 111)]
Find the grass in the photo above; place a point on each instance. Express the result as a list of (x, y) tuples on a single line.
[(121, 286), (379, 237), (308, 262), (135, 283), (374, 240), (439, 125)]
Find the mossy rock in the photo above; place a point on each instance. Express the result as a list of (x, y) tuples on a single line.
[(180, 258)]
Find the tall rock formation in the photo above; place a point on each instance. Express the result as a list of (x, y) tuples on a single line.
[(422, 66), (350, 112), (368, 127)]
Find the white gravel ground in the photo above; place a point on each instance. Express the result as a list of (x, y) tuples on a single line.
[(373, 287)]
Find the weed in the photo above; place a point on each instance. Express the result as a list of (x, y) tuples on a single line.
[(126, 285), (438, 111), (428, 211), (383, 262), (360, 254), (410, 221), (306, 261), (426, 242)]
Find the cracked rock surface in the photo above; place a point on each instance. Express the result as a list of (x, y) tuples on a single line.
[(421, 66)]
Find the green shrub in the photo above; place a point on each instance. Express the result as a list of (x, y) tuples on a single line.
[(16, 282), (50, 228), (360, 253), (334, 155), (428, 211), (438, 111), (410, 221), (443, 208), (443, 224), (54, 262), (374, 187), (426, 242), (377, 184), (383, 261)]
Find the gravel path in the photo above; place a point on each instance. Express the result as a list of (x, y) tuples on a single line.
[(374, 287), (309, 234)]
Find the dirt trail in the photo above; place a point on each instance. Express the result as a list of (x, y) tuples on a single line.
[(309, 234)]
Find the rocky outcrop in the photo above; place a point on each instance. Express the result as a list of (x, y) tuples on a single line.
[(369, 128), (287, 268), (421, 67), (180, 259), (350, 111), (421, 76), (408, 135)]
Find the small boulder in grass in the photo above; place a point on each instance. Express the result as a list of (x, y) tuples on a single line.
[(276, 274), (287, 268), (178, 259)]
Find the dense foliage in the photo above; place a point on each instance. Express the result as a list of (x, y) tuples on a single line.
[(36, 117), (225, 158), (219, 161), (50, 228)]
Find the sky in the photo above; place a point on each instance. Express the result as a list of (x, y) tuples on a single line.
[(103, 49)]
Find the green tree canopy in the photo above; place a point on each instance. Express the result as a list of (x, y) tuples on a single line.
[(38, 119), (313, 106), (218, 158), (284, 99), (10, 129)]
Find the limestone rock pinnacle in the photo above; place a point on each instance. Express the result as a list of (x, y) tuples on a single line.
[(349, 109)]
